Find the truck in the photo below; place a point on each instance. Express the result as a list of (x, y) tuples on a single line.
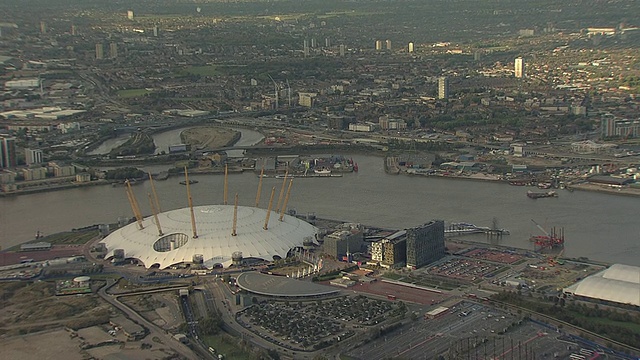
[(391, 297)]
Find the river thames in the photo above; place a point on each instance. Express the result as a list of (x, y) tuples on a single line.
[(599, 226)]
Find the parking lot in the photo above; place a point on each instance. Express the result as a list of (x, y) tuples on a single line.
[(316, 324), (465, 269), (401, 292), (468, 331), (504, 257)]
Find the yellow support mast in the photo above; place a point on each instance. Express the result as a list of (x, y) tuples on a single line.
[(286, 200), (155, 215), (284, 182), (266, 221), (193, 217), (235, 217), (155, 194), (259, 186), (133, 206)]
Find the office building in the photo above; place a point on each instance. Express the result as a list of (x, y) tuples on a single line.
[(99, 52), (378, 45), (313, 43), (425, 244), (345, 241), (32, 156), (443, 88), (113, 50), (8, 153), (155, 31), (342, 50), (410, 47), (43, 27), (130, 14), (519, 67), (73, 30), (388, 44), (391, 251), (327, 42)]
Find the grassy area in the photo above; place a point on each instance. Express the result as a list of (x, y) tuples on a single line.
[(223, 346), (131, 93), (71, 238), (64, 238), (604, 321), (392, 276)]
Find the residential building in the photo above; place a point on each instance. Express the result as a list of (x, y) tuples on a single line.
[(37, 173), (32, 156), (99, 51), (443, 88), (519, 67), (624, 128), (8, 153), (113, 50)]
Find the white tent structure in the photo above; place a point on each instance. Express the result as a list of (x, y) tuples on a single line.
[(619, 284), (214, 243)]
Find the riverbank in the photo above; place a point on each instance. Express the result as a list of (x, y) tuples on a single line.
[(624, 191), (59, 187)]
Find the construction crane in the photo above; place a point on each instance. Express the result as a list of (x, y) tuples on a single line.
[(540, 227)]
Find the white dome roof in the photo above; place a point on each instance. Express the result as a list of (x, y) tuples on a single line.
[(214, 242), (619, 283)]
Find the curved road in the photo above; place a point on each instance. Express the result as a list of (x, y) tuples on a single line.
[(154, 330)]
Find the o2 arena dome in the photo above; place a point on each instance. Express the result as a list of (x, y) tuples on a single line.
[(215, 235)]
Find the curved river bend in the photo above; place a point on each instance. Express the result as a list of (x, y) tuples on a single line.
[(598, 226)]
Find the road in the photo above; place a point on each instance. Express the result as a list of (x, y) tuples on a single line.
[(154, 330)]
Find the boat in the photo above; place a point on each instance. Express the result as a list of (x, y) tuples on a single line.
[(544, 185), (355, 167), (518, 182), (183, 182), (537, 195), (322, 171)]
